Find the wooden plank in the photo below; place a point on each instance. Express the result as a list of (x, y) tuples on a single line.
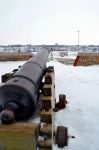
[(49, 78), (47, 90), (46, 129), (47, 144), (46, 116), (19, 136), (85, 59), (46, 102)]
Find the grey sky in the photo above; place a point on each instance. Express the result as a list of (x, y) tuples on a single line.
[(49, 21)]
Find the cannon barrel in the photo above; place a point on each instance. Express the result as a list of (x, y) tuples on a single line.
[(19, 94)]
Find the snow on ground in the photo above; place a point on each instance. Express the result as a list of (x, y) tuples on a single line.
[(81, 116), (6, 67)]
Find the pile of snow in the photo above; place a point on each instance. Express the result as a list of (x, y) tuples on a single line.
[(81, 116)]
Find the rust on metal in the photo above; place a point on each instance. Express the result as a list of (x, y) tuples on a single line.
[(62, 136), (62, 101)]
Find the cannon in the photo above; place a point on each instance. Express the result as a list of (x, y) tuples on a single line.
[(19, 94), (19, 97)]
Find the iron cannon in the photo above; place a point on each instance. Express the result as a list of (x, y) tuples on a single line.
[(19, 94)]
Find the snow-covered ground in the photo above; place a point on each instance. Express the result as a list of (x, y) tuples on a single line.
[(80, 84), (81, 116), (6, 67)]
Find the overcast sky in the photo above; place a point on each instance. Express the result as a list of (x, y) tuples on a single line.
[(49, 21)]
